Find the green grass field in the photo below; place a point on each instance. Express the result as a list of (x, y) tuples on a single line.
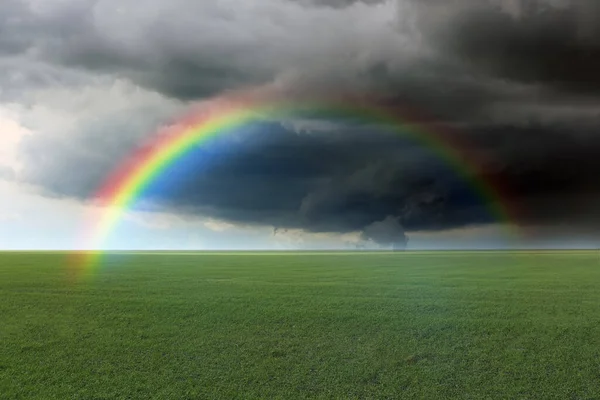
[(346, 326)]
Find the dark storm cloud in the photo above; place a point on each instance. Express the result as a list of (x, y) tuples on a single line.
[(551, 171), (190, 50), (520, 87), (349, 180), (164, 48), (555, 46), (320, 182)]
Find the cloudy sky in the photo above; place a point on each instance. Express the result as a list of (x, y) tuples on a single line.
[(86, 82)]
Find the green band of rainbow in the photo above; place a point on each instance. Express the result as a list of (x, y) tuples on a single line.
[(126, 184)]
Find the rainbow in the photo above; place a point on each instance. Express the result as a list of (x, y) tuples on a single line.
[(127, 183)]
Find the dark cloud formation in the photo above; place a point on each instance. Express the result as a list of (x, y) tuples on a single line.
[(559, 47), (358, 177), (323, 183), (516, 80), (318, 181)]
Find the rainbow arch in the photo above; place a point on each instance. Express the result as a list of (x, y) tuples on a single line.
[(127, 182)]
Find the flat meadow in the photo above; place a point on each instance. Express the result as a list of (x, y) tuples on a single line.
[(430, 325)]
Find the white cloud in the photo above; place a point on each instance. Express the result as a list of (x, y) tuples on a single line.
[(11, 134), (61, 110), (218, 226), (301, 239), (10, 216), (310, 126), (80, 133)]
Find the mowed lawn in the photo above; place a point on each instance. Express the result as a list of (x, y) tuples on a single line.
[(482, 325)]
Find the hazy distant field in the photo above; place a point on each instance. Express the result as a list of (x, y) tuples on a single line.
[(423, 325)]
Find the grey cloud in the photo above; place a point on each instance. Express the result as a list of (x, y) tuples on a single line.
[(79, 136), (559, 47), (425, 50), (24, 78), (11, 12), (337, 3), (191, 50)]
